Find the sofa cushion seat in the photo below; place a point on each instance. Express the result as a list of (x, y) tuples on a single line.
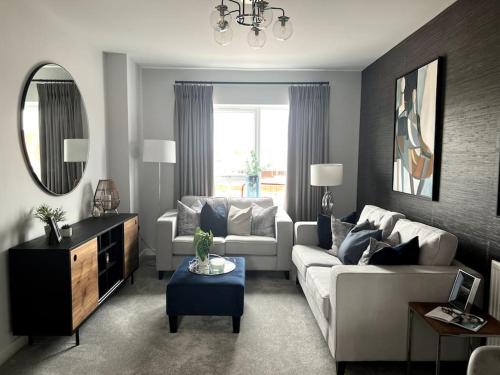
[(183, 245), (304, 256), (318, 283), (250, 245)]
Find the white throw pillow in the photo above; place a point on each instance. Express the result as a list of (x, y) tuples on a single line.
[(339, 233), (263, 220), (239, 221), (372, 248)]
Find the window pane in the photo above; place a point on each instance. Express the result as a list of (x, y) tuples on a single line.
[(273, 152), (234, 138)]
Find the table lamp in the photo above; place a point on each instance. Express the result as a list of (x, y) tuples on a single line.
[(327, 175)]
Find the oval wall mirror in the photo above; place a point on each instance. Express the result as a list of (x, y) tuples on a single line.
[(54, 129)]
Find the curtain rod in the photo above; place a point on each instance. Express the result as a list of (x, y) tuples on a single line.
[(250, 83)]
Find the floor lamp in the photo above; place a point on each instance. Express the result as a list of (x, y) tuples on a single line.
[(158, 151), (327, 175)]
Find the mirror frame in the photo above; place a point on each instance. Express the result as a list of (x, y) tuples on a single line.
[(24, 93)]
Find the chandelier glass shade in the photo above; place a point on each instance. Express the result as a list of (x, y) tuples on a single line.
[(258, 15)]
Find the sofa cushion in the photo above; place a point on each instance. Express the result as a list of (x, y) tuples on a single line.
[(247, 202), (304, 256), (355, 244), (318, 282), (214, 218), (402, 254), (189, 200), (380, 218), (264, 220), (352, 218), (250, 245), (188, 217), (324, 231), (437, 247), (239, 221), (183, 245)]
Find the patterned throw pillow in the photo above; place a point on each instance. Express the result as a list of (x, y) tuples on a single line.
[(340, 230), (355, 244), (239, 221), (188, 218), (263, 220), (372, 248)]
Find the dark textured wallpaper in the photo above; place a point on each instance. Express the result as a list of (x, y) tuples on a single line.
[(467, 36)]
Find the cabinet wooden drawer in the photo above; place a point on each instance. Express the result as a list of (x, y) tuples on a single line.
[(131, 246), (84, 281)]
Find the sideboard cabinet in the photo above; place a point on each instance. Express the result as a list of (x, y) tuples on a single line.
[(55, 288)]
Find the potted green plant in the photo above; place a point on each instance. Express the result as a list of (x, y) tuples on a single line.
[(44, 212), (66, 231), (202, 243), (253, 170)]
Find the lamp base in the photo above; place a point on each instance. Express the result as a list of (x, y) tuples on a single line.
[(327, 203)]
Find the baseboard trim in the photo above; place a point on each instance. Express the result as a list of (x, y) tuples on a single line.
[(12, 348)]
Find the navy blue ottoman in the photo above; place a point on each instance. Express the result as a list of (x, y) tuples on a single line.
[(220, 295)]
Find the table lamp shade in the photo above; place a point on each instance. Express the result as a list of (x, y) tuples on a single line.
[(326, 174), (158, 151), (76, 150)]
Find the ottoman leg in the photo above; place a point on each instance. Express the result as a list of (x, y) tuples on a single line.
[(172, 321), (236, 324)]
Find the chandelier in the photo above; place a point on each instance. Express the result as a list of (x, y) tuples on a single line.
[(256, 14)]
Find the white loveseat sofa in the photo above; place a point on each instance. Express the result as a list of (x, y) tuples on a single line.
[(261, 253), (362, 311)]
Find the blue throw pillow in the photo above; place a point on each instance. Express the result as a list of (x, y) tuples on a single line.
[(355, 244), (406, 253), (214, 219), (352, 218), (324, 231)]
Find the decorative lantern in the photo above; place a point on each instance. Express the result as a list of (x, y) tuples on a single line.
[(106, 197)]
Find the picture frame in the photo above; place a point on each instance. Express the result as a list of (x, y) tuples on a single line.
[(55, 233), (417, 131), (463, 291)]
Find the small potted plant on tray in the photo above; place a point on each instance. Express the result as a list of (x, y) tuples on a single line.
[(202, 243), (44, 212)]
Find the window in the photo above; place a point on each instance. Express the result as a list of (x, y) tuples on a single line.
[(239, 130)]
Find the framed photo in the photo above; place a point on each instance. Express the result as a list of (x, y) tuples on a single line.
[(415, 146), (464, 291), (55, 233)]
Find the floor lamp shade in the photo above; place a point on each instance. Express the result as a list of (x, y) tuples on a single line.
[(327, 174), (158, 151), (76, 150)]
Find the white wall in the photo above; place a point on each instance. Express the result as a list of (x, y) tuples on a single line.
[(30, 35), (157, 122)]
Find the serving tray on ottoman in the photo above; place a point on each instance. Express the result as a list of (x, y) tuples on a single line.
[(192, 294)]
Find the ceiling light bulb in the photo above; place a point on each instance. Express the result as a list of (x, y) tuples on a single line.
[(224, 36), (256, 38), (283, 28), (217, 16)]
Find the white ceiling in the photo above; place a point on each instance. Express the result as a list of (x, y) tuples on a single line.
[(328, 34)]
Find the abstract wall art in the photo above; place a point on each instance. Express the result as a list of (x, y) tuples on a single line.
[(415, 132)]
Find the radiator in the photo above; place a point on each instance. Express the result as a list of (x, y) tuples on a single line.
[(495, 297)]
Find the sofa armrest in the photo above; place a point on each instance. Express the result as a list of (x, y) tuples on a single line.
[(166, 229), (284, 238), (372, 302), (306, 233)]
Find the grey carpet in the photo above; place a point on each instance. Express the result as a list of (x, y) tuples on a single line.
[(129, 335)]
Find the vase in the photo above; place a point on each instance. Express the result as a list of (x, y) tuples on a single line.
[(203, 265), (253, 186)]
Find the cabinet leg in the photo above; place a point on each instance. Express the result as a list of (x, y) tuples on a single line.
[(77, 337), (160, 275), (172, 321), (340, 368), (438, 355)]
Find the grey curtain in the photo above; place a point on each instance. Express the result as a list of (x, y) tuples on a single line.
[(194, 134), (60, 118), (308, 135)]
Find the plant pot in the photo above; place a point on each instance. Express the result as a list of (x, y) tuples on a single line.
[(253, 188), (203, 265), (66, 232)]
